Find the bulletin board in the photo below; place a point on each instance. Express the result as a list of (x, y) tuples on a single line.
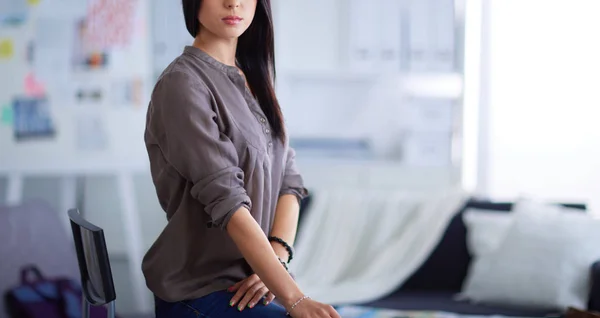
[(75, 80)]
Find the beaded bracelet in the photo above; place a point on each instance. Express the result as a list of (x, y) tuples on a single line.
[(296, 304), (284, 264), (289, 249)]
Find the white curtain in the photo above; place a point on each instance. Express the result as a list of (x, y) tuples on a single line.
[(359, 245)]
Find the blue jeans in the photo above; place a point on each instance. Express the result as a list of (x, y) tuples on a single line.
[(215, 305)]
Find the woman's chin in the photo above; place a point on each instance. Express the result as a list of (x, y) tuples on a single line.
[(230, 32)]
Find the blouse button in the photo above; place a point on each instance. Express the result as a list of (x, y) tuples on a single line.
[(262, 120), (267, 131), (270, 144)]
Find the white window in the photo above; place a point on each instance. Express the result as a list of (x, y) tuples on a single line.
[(541, 132)]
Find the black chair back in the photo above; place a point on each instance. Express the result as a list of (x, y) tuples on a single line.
[(94, 265)]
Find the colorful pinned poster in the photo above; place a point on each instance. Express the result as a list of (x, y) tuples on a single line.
[(85, 55), (110, 23), (32, 119), (7, 49)]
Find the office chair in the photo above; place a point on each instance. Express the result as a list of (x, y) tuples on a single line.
[(94, 266)]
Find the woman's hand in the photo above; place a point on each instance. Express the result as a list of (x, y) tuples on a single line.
[(309, 308), (249, 292)]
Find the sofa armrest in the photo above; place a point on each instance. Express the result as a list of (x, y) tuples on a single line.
[(594, 297)]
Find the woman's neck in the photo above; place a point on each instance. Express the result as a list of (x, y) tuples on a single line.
[(222, 50)]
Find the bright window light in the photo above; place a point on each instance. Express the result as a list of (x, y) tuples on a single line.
[(544, 108)]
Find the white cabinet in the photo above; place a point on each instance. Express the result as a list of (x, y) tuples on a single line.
[(390, 31), (428, 149), (430, 115), (431, 40), (443, 35), (418, 35), (307, 35), (374, 36), (362, 49), (339, 36)]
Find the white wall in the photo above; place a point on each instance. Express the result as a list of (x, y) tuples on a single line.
[(102, 206), (544, 100), (296, 53)]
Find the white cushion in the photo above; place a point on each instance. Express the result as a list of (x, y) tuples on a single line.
[(543, 262), (485, 230)]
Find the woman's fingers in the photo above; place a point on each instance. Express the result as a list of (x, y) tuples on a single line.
[(262, 292), (257, 291), (249, 292), (333, 313), (235, 287), (269, 298), (241, 289)]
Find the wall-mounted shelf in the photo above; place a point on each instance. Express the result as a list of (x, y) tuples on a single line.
[(427, 85), (374, 174)]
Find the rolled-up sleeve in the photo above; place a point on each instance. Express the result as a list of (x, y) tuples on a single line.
[(292, 180), (193, 144)]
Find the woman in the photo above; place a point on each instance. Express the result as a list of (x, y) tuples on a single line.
[(224, 173)]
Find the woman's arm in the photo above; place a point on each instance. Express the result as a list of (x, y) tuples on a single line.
[(286, 223), (252, 242), (182, 119), (288, 205), (254, 246)]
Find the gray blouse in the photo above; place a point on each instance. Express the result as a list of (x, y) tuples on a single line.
[(211, 151)]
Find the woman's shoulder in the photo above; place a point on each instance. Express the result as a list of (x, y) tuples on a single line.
[(178, 88), (179, 78), (181, 70)]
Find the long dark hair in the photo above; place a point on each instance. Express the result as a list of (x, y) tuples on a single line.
[(255, 55)]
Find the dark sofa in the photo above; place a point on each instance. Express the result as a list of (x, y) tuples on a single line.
[(435, 284)]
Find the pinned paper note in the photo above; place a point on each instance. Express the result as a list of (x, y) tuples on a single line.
[(33, 87), (127, 92), (60, 9), (7, 49), (6, 115), (12, 20), (89, 95), (91, 133), (13, 12), (30, 53), (53, 40)]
